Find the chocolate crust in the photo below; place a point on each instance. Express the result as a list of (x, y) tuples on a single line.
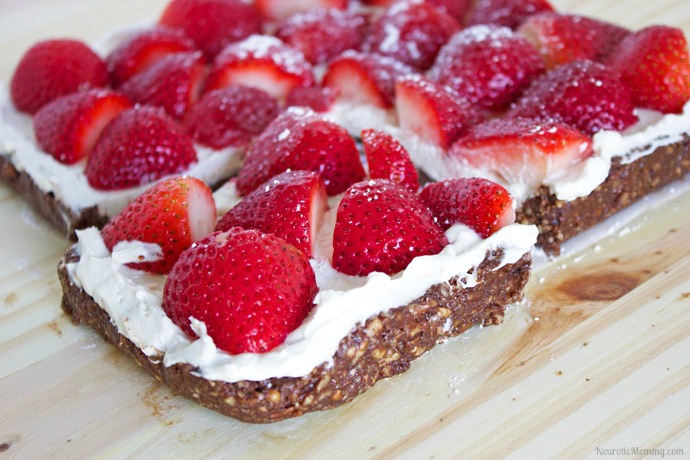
[(560, 220), (384, 346)]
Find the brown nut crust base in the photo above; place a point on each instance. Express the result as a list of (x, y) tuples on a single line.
[(384, 346), (560, 220)]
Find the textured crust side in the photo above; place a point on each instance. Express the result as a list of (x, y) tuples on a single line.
[(382, 347), (559, 220)]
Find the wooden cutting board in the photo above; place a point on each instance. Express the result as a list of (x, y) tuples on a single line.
[(597, 357)]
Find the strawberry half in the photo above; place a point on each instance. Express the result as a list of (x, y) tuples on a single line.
[(301, 140), (388, 159), (480, 204), (506, 13), (231, 116), (173, 214), (139, 51), (69, 126), (250, 289), (315, 97), (263, 62), (53, 68), (212, 24), (173, 82), (140, 146), (381, 227), (289, 205), (278, 10), (655, 65), (455, 8)]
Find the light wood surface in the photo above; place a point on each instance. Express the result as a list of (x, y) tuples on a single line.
[(597, 357)]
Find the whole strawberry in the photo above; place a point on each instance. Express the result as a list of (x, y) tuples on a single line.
[(250, 289), (381, 227), (173, 214)]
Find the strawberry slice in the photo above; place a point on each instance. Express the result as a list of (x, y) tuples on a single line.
[(212, 24), (289, 205), (480, 204), (522, 151), (583, 94), (388, 159), (488, 65), (412, 33), (250, 290), (364, 78), (230, 116), (506, 13), (381, 227), (321, 33), (278, 10), (173, 214), (433, 112), (173, 83), (53, 68), (263, 62), (140, 146), (69, 126), (655, 65), (142, 49), (315, 97), (301, 140)]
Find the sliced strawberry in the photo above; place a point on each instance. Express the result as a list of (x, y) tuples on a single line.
[(456, 8), (138, 147), (289, 205), (301, 140), (212, 24), (522, 151), (488, 65), (584, 94), (53, 68), (381, 227), (321, 33), (412, 33), (480, 204), (142, 49), (315, 97), (263, 62), (250, 289), (69, 126), (388, 159), (434, 112), (655, 65), (364, 78), (278, 10), (562, 38), (173, 82), (173, 214), (230, 116), (507, 13)]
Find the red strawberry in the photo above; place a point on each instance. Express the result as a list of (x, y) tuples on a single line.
[(364, 78), (388, 159), (140, 146), (584, 94), (173, 214), (263, 62), (300, 140), (173, 83), (455, 8), (434, 112), (488, 65), (562, 38), (249, 289), (315, 97), (230, 116), (138, 52), (53, 68), (655, 65), (521, 151), (412, 33), (480, 204), (212, 24), (289, 205), (507, 13), (69, 126), (381, 227), (321, 34), (278, 10)]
